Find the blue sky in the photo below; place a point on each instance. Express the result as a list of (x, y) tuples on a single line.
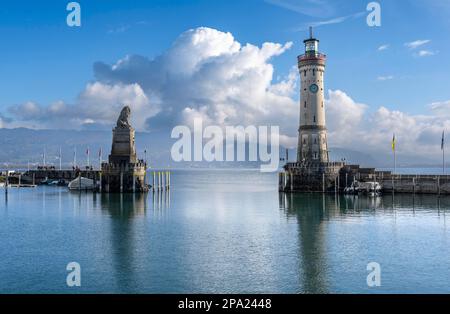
[(376, 75), (44, 60)]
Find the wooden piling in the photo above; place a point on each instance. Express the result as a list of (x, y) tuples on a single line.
[(323, 182), (121, 182)]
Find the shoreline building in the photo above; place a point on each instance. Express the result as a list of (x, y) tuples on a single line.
[(313, 171)]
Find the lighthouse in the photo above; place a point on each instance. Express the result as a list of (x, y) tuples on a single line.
[(313, 171), (312, 138)]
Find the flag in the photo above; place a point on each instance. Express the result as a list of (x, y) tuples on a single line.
[(393, 143), (443, 140)]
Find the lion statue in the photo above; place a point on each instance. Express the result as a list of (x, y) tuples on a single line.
[(124, 118)]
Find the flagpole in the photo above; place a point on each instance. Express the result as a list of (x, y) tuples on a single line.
[(75, 157), (443, 152), (395, 161), (100, 159), (60, 156)]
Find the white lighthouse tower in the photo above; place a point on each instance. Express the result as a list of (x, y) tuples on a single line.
[(313, 171), (312, 139)]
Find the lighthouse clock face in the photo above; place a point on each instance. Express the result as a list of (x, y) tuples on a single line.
[(313, 88)]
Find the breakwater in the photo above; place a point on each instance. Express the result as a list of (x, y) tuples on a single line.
[(291, 180)]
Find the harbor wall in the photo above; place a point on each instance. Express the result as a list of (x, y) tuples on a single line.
[(52, 174), (294, 179)]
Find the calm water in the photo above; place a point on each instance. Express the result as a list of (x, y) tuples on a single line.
[(222, 231)]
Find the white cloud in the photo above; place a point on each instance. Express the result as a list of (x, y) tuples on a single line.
[(426, 53), (315, 8), (385, 78), (383, 47), (207, 72), (416, 44), (99, 103), (352, 126)]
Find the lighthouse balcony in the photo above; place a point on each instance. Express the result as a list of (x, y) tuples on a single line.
[(311, 56)]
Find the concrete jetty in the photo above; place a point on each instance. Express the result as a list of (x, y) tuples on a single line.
[(291, 181)]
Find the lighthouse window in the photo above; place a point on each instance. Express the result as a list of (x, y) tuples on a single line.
[(314, 72), (314, 119), (305, 104), (305, 72), (315, 155)]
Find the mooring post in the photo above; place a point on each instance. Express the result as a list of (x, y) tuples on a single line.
[(121, 181), (20, 180), (159, 180), (292, 181), (153, 185), (338, 183), (6, 182), (323, 182), (100, 182)]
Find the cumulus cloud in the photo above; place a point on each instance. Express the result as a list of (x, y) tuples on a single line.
[(383, 47), (207, 73), (352, 126), (97, 104)]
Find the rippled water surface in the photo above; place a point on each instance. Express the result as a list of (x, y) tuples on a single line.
[(222, 231)]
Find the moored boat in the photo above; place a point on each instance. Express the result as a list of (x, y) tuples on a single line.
[(82, 183)]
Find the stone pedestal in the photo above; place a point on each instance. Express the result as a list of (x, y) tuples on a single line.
[(123, 147), (124, 172), (310, 177), (124, 178)]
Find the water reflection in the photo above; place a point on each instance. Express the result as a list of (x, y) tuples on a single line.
[(313, 211), (125, 239)]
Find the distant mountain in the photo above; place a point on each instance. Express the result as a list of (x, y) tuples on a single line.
[(20, 146)]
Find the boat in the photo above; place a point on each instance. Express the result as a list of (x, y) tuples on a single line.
[(81, 183), (367, 188)]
